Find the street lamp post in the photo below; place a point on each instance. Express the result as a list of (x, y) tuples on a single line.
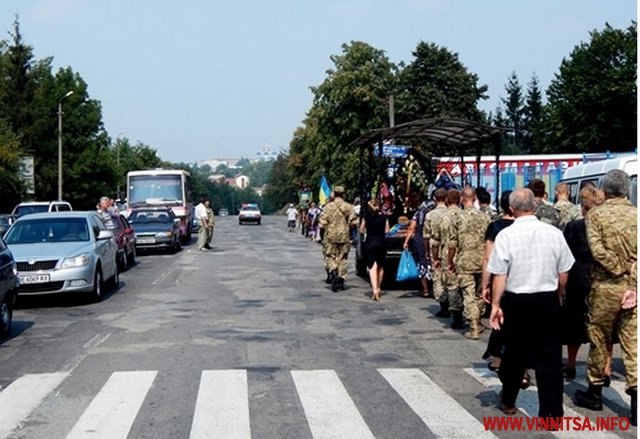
[(118, 161), (60, 143)]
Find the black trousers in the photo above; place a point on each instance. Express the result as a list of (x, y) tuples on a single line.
[(532, 340)]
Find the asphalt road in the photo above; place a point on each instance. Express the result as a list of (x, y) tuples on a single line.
[(247, 341)]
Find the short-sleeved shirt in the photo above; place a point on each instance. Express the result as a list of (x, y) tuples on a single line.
[(201, 212), (495, 227), (531, 254)]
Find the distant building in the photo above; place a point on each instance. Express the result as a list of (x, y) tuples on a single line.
[(240, 181), (266, 154)]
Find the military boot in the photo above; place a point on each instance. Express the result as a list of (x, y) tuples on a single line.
[(591, 399), (337, 284), (458, 323), (330, 276), (475, 329), (444, 310), (633, 415)]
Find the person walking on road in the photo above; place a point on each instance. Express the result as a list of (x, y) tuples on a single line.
[(416, 239), (466, 245), (201, 219), (211, 223), (431, 223), (292, 215), (530, 262), (612, 236), (336, 220), (375, 225)]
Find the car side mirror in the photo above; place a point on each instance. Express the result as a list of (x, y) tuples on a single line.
[(177, 220), (105, 234)]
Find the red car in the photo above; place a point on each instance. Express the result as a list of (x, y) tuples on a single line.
[(126, 240)]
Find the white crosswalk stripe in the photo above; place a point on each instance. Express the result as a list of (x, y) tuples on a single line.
[(430, 402), (527, 402), (330, 410), (222, 404), (112, 412), (26, 393), (222, 407)]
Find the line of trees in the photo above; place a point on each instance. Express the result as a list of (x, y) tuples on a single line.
[(591, 106)]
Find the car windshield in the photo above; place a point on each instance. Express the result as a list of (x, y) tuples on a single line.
[(25, 210), (48, 230), (149, 216)]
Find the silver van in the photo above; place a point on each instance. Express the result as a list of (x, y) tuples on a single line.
[(593, 172)]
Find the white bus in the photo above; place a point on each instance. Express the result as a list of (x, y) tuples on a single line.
[(163, 187), (593, 172)]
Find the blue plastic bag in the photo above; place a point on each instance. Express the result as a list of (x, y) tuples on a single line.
[(407, 268)]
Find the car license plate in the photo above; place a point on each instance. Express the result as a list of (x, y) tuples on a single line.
[(34, 278), (146, 240)]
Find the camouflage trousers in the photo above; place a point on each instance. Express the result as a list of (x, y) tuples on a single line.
[(325, 258), (452, 291), (470, 285), (338, 257), (605, 316), (438, 286)]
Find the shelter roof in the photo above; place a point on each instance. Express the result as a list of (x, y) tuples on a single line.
[(443, 134)]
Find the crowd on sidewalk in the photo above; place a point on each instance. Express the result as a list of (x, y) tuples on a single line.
[(545, 274)]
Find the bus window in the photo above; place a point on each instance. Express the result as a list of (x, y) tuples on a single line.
[(573, 191), (633, 190)]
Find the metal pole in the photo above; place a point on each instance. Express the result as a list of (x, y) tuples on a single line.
[(60, 143), (392, 111), (60, 150)]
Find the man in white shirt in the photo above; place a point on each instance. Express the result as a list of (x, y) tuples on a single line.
[(201, 219), (530, 263), (292, 214)]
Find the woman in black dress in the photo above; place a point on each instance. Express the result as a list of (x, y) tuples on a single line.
[(418, 249), (375, 226), (574, 309)]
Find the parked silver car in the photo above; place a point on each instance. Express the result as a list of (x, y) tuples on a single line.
[(63, 252)]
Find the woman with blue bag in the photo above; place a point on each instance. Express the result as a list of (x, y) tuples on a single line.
[(375, 226)]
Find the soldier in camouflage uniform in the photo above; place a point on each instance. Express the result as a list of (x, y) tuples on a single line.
[(336, 220), (440, 248), (432, 221), (568, 211), (612, 236), (543, 211), (323, 242), (466, 249), (484, 203)]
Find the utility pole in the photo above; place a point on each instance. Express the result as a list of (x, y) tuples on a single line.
[(392, 111)]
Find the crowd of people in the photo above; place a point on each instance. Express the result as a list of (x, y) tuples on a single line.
[(546, 274)]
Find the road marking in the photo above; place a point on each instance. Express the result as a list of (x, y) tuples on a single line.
[(527, 402), (112, 412), (222, 407), (330, 411), (22, 396), (442, 414), (96, 341)]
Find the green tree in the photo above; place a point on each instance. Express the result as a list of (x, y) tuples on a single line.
[(514, 113), (592, 101), (10, 180), (437, 84), (531, 126)]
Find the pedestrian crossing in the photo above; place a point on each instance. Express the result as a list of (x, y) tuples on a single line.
[(330, 406)]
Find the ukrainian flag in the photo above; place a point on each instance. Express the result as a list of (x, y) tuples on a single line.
[(325, 191)]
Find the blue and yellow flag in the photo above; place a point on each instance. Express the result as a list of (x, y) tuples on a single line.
[(325, 191)]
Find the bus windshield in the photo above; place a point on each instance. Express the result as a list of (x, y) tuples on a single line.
[(155, 189)]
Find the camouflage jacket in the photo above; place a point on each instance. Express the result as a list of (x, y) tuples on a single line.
[(431, 218), (612, 230), (568, 212), (547, 213), (466, 235), (493, 215), (440, 235), (336, 219)]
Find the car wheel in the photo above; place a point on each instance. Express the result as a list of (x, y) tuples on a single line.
[(131, 257), (6, 315), (258, 222), (114, 281), (239, 223), (98, 285), (123, 262)]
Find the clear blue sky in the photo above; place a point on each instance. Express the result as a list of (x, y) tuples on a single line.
[(200, 79)]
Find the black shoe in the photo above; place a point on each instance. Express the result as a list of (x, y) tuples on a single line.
[(633, 415), (329, 278), (207, 246), (569, 373), (607, 381), (591, 399), (337, 284), (458, 323), (341, 284), (444, 310)]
